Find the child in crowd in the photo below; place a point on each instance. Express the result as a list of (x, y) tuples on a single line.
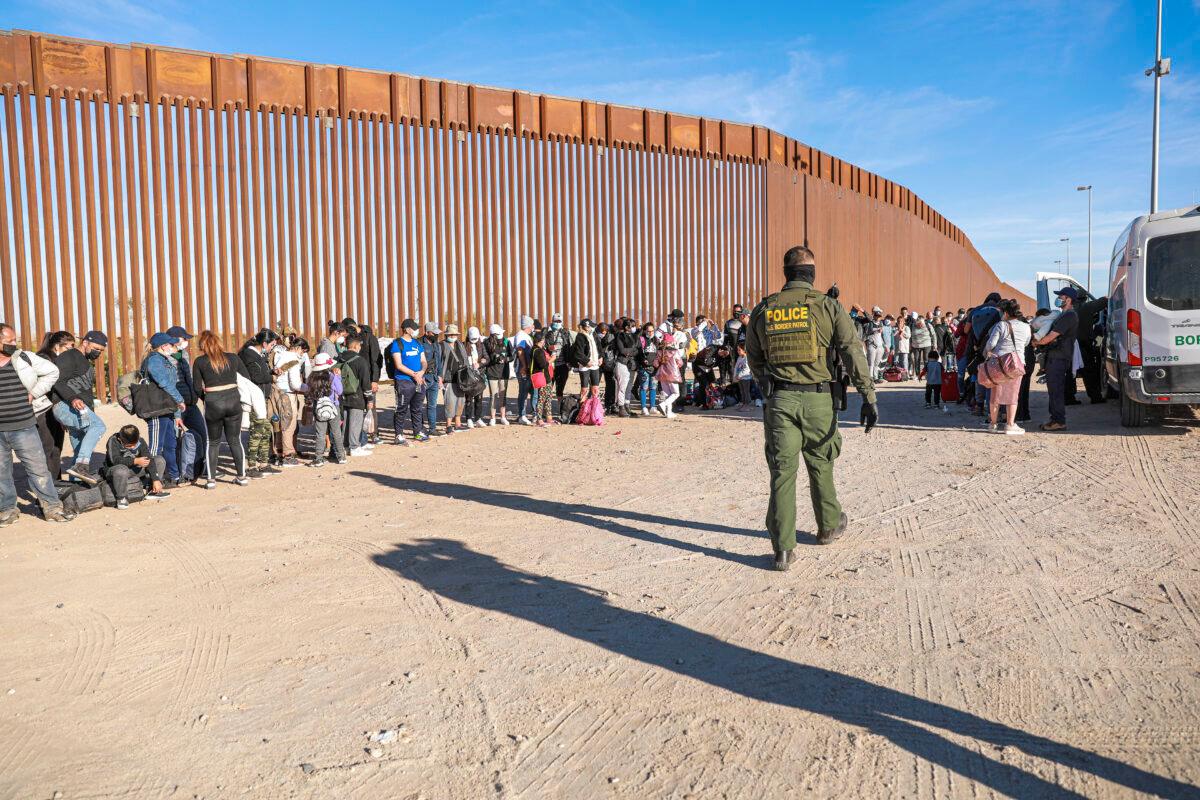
[(324, 393), (129, 467), (541, 362), (933, 380), (741, 373), (669, 375)]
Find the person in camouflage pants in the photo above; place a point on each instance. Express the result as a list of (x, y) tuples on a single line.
[(258, 454)]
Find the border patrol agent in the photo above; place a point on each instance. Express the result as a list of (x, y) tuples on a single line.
[(787, 346)]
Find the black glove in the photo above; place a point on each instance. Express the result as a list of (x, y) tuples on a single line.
[(869, 416)]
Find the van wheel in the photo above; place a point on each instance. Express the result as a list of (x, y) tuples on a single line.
[(1133, 415)]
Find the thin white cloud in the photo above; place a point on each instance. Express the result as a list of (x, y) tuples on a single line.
[(161, 22)]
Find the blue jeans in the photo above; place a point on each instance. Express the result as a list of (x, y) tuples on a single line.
[(164, 442), (27, 444), (84, 429), (431, 405), (193, 445), (525, 392), (408, 408), (648, 385)]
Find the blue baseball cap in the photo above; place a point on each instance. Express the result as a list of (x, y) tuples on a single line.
[(178, 332), (160, 338), (1068, 291)]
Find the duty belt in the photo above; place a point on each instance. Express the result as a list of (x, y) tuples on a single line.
[(800, 387)]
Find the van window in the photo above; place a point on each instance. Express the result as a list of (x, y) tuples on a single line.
[(1173, 271)]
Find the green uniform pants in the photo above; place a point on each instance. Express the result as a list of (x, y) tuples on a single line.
[(800, 424)]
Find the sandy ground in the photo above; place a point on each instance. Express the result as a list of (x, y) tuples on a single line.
[(588, 613)]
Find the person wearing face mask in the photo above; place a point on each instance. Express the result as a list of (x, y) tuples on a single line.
[(75, 396), (331, 343), (1059, 347), (586, 360), (558, 344), (408, 360), (499, 354), (625, 349), (165, 429), (454, 356), (193, 445), (477, 359), (647, 364), (24, 377), (52, 433)]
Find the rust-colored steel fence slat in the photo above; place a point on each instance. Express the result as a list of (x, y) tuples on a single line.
[(143, 187)]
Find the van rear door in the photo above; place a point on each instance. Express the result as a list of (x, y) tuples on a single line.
[(1050, 282), (1171, 313)]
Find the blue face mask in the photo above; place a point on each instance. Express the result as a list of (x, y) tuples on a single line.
[(555, 326), (1059, 302)]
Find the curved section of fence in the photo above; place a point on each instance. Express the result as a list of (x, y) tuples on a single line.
[(145, 187)]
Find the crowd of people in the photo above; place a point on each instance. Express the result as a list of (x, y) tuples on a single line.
[(256, 400), (985, 356)]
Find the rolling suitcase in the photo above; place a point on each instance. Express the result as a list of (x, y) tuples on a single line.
[(950, 393)]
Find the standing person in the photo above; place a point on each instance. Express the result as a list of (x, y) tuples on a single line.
[(215, 376), (499, 354), (454, 357), (20, 380), (523, 350), (1010, 336), (921, 341), (889, 342), (46, 371), (1030, 358), (165, 429), (288, 390), (586, 360), (1091, 348), (558, 344), (647, 364), (731, 332), (75, 409), (473, 392), (875, 345), (980, 322), (933, 380), (625, 350), (193, 444), (541, 362), (741, 371), (408, 361), (256, 359), (374, 357), (323, 393), (789, 332), (128, 464), (331, 343), (1059, 346), (434, 355), (668, 368), (606, 340), (355, 381), (903, 345)]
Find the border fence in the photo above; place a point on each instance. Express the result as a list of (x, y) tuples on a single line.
[(143, 187)]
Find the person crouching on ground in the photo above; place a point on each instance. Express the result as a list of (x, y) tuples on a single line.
[(323, 394), (129, 465)]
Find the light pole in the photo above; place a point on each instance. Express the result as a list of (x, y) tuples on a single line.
[(1088, 189), (1162, 66), (1067, 239)]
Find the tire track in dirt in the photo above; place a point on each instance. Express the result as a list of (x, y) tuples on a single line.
[(1145, 469), (206, 647), (93, 639)]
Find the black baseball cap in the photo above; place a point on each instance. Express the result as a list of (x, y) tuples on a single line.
[(96, 337), (1068, 291), (409, 324), (179, 332)]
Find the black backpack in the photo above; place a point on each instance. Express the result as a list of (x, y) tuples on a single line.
[(569, 410)]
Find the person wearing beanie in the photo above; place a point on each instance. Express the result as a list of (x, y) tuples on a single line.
[(499, 354), (522, 345)]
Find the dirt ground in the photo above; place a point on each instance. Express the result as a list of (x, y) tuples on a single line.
[(589, 612)]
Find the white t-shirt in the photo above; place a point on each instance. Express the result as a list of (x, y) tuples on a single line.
[(903, 335)]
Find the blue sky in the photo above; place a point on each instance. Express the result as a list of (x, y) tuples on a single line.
[(993, 112)]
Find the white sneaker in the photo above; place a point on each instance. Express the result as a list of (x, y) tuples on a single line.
[(522, 420), (359, 451), (368, 446), (1014, 430), (470, 423), (480, 423), (491, 423), (645, 411), (670, 414), (504, 420)]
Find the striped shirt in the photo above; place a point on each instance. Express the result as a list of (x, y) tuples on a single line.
[(16, 412)]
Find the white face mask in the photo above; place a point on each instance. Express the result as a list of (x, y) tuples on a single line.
[(183, 344), (451, 338)]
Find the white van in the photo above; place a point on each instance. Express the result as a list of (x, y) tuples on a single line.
[(1152, 348)]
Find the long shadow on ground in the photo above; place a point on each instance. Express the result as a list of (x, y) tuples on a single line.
[(452, 570)]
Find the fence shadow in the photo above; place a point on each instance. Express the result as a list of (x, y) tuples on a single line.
[(453, 571)]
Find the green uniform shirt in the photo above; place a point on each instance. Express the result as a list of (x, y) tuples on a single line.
[(802, 325)]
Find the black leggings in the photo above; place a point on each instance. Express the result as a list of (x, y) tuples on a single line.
[(223, 415), (933, 394)]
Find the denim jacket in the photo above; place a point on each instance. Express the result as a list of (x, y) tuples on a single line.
[(163, 372)]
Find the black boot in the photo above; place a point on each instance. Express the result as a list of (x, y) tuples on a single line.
[(784, 560), (827, 537)]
